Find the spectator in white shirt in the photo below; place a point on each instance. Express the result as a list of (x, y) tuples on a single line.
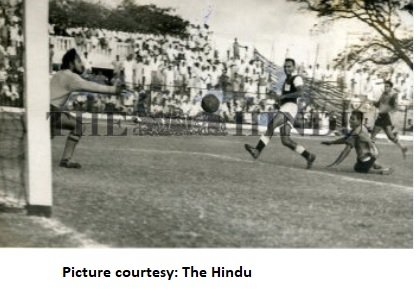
[(309, 72), (87, 63), (328, 74), (183, 71), (117, 66), (214, 77), (129, 71), (3, 75), (169, 79), (138, 72)]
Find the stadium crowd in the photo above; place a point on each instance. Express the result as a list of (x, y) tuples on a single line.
[(365, 80), (175, 72), (171, 74), (11, 53)]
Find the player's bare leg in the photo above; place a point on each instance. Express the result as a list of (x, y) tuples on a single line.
[(291, 144), (377, 166), (280, 120), (70, 146), (374, 132), (389, 132), (264, 140), (77, 128), (380, 170)]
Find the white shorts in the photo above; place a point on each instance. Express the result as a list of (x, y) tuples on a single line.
[(290, 109)]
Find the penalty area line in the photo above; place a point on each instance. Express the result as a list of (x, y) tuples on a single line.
[(229, 158)]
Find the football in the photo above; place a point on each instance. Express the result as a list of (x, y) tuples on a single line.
[(210, 103)]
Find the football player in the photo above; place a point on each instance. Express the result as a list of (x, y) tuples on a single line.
[(365, 148), (288, 109), (386, 104), (62, 84)]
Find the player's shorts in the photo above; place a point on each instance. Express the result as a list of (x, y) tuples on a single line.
[(365, 165), (290, 111), (62, 120), (383, 120)]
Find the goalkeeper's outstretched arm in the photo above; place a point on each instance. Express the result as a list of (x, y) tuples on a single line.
[(79, 84)]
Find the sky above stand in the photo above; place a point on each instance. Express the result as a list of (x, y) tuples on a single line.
[(277, 28)]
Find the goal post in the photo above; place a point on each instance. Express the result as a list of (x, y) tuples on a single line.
[(37, 100)]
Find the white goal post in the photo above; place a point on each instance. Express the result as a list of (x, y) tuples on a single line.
[(37, 98)]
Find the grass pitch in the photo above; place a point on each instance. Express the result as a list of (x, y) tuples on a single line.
[(206, 191)]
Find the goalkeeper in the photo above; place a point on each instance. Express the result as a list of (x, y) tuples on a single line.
[(62, 84)]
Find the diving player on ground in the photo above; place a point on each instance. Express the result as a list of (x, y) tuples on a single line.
[(288, 109), (62, 84), (366, 150), (385, 105)]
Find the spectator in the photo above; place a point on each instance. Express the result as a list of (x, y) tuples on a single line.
[(128, 68), (186, 68), (169, 79), (11, 53), (87, 63), (138, 72), (117, 66), (236, 49), (100, 78)]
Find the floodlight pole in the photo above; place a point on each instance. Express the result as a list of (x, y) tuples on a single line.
[(37, 97)]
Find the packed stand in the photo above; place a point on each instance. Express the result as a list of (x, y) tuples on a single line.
[(11, 53), (365, 81), (176, 70), (171, 74)]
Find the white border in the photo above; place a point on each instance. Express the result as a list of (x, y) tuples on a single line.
[(273, 268)]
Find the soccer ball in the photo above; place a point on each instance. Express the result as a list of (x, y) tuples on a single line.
[(210, 103)]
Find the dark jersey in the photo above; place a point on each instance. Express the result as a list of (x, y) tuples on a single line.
[(288, 88), (386, 104), (359, 139)]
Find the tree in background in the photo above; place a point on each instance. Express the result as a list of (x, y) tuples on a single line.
[(393, 42), (127, 16)]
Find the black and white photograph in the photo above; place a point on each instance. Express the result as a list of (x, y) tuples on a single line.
[(206, 124)]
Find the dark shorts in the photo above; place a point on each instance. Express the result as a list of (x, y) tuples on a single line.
[(63, 120), (364, 166), (383, 120), (58, 118)]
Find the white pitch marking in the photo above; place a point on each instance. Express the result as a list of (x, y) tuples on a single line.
[(223, 157), (379, 142), (60, 229)]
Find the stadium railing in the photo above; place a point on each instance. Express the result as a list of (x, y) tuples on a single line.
[(316, 119)]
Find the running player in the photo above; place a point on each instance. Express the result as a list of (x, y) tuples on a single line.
[(386, 104), (62, 84), (366, 150), (288, 109)]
